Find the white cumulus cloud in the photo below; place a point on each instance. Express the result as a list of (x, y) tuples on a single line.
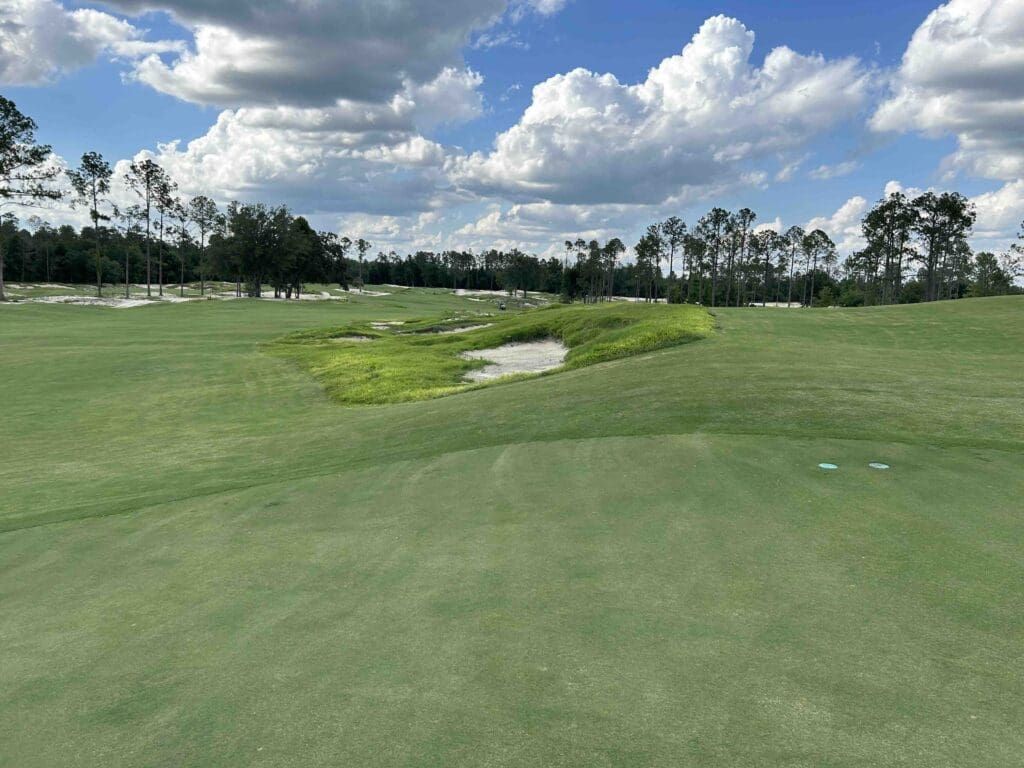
[(843, 226), (961, 75), (701, 118), (41, 40)]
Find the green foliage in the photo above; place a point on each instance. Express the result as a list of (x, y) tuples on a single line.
[(852, 297), (361, 364)]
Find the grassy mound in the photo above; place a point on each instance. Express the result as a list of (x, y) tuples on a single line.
[(421, 359)]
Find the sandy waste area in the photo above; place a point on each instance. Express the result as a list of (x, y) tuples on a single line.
[(520, 357)]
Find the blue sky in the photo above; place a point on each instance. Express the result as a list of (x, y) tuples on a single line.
[(424, 182)]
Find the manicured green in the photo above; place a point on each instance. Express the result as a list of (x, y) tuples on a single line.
[(206, 561), (373, 364)]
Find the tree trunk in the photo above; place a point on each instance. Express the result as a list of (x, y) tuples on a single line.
[(671, 273), (814, 268), (2, 296), (160, 258), (789, 287), (689, 278), (127, 294), (149, 261), (730, 276), (714, 275)]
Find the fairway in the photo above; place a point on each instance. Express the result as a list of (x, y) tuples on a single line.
[(207, 560)]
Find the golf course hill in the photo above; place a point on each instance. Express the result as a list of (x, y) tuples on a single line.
[(258, 532)]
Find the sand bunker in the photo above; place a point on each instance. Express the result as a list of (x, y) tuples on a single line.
[(91, 301), (498, 294), (340, 339), (523, 357), (321, 296)]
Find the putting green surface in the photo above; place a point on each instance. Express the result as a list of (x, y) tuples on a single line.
[(207, 562)]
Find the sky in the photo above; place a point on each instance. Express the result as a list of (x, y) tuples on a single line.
[(434, 124)]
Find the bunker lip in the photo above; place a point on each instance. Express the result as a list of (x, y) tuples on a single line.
[(519, 357), (441, 331)]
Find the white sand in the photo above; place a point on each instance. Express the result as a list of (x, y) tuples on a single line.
[(523, 357), (321, 296), (386, 325), (484, 292), (91, 301), (339, 339)]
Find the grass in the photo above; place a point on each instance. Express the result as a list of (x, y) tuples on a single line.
[(370, 364), (207, 562)]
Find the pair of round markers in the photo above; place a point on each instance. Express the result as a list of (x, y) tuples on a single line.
[(873, 465)]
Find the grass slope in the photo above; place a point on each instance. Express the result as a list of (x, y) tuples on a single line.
[(208, 562), (375, 365)]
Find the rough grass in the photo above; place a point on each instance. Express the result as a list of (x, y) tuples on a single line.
[(417, 361)]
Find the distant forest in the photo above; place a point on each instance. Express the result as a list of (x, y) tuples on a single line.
[(916, 249)]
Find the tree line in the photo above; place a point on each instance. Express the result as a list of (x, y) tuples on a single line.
[(916, 249)]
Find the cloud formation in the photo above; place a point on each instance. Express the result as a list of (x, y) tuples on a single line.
[(825, 172), (314, 52), (345, 158), (40, 40), (961, 76), (843, 226), (700, 119)]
